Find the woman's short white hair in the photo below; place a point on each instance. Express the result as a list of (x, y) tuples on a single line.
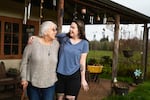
[(45, 26)]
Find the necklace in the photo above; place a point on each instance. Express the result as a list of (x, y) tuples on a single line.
[(49, 52)]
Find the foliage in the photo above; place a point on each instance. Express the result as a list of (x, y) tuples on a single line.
[(130, 44), (106, 61), (92, 61), (97, 54), (126, 66), (140, 93), (104, 45)]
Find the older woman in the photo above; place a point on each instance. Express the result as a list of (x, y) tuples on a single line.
[(38, 66)]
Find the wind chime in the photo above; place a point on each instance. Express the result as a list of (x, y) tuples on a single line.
[(27, 11), (41, 10)]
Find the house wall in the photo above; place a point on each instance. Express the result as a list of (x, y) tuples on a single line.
[(13, 9), (12, 63), (9, 8)]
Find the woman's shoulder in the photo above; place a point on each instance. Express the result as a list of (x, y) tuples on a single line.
[(56, 41), (36, 40), (85, 41)]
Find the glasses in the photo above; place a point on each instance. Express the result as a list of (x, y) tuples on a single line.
[(54, 29)]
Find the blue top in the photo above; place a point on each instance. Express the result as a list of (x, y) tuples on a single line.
[(69, 54)]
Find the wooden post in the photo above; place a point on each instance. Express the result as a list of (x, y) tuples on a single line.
[(60, 15), (116, 46), (145, 50)]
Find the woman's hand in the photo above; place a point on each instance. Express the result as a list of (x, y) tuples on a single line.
[(30, 40), (85, 85), (24, 83)]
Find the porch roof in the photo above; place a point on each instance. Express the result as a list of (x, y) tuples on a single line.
[(95, 8)]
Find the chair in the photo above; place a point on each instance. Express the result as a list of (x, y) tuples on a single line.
[(7, 83)]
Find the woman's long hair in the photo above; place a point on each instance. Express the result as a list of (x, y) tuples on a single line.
[(81, 29)]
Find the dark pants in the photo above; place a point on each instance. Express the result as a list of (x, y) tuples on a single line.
[(35, 93), (69, 84)]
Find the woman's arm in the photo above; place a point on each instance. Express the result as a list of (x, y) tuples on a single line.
[(24, 65), (83, 70)]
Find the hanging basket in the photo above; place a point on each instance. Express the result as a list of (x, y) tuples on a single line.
[(128, 53)]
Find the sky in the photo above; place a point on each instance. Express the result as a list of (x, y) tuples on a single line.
[(96, 32), (142, 6)]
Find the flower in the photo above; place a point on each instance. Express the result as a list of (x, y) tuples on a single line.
[(137, 73)]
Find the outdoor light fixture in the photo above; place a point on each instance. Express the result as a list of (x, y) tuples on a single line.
[(54, 2), (91, 19), (83, 10), (104, 19), (110, 20), (75, 13), (41, 8), (98, 18)]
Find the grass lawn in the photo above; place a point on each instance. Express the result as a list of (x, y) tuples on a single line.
[(97, 54), (142, 92)]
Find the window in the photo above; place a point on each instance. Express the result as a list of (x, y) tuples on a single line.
[(0, 37), (11, 31), (28, 30), (14, 36)]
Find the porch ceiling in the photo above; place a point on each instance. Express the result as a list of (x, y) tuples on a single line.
[(95, 8)]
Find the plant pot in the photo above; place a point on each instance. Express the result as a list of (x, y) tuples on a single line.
[(94, 68), (121, 90), (138, 81)]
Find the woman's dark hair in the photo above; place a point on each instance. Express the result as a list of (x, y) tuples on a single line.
[(81, 28)]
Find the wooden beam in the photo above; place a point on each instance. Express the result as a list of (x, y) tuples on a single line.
[(60, 15)]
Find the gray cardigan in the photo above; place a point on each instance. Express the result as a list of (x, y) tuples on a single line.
[(39, 63)]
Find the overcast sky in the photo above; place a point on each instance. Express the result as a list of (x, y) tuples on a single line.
[(142, 6)]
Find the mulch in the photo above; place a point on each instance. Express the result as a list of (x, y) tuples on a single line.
[(98, 90)]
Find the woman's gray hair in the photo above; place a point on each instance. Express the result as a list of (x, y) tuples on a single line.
[(45, 26)]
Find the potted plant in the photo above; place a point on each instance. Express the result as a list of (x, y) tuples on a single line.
[(120, 88), (94, 68), (138, 76)]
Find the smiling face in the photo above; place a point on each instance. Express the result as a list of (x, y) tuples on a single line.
[(74, 32), (52, 31)]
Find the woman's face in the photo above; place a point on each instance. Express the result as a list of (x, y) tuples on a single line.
[(52, 31), (74, 30)]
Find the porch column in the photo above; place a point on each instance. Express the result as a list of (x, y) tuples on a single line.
[(60, 15), (145, 50), (116, 46)]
